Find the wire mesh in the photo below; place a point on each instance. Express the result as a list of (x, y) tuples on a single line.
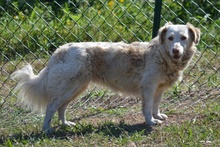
[(31, 30)]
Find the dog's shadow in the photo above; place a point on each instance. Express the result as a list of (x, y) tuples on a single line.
[(109, 129)]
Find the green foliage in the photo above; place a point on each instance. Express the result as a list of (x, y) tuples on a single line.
[(41, 27), (190, 10), (32, 29)]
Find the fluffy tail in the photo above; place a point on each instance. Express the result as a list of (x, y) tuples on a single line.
[(32, 88)]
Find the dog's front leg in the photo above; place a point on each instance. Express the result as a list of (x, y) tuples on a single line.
[(157, 98), (62, 115), (147, 105)]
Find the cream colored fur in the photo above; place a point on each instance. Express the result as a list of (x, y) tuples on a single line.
[(139, 69)]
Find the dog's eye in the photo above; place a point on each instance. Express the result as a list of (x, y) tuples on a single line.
[(170, 38), (183, 38)]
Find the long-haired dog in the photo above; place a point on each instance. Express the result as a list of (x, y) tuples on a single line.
[(140, 69)]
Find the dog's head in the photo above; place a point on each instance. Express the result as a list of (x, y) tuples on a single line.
[(178, 38)]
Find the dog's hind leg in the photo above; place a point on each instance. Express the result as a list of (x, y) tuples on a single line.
[(60, 103), (62, 108), (51, 109)]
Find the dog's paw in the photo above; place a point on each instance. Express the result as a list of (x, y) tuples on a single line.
[(153, 122), (160, 116), (68, 123)]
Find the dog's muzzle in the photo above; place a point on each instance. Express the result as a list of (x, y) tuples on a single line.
[(176, 54)]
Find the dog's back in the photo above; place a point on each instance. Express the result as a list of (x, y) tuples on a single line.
[(116, 65)]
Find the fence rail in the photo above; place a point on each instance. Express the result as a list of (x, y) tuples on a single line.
[(31, 30)]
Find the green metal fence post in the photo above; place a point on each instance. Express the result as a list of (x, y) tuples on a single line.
[(157, 13)]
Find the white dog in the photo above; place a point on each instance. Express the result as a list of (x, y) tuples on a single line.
[(140, 69)]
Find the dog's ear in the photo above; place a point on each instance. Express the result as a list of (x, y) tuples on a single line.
[(162, 34), (194, 33)]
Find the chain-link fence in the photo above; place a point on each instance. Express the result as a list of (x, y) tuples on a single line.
[(31, 30)]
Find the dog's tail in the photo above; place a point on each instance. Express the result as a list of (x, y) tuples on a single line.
[(32, 88)]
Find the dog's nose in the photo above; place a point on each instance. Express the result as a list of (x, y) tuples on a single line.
[(176, 51)]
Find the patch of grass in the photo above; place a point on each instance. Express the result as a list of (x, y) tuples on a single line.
[(200, 128)]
